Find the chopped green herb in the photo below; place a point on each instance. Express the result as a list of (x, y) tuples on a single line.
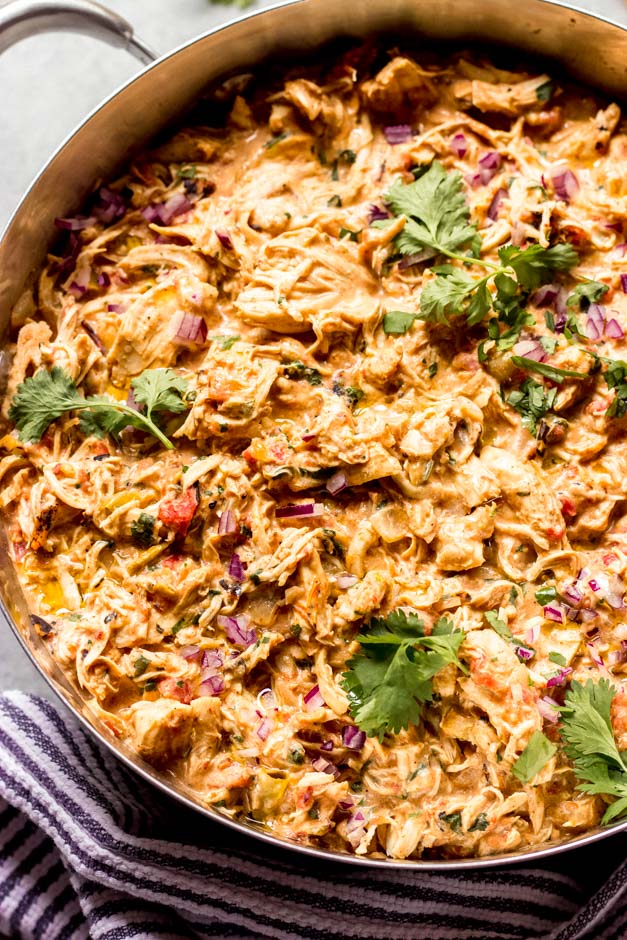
[(544, 92), (546, 594), (587, 293), (550, 372), (433, 369), (226, 342), (499, 626), (398, 322), (143, 530), (298, 371), (140, 666), (452, 820), (334, 202), (275, 140), (558, 659), (532, 401), (352, 236), (480, 824), (535, 756)]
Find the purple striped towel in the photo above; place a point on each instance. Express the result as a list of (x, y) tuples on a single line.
[(90, 851)]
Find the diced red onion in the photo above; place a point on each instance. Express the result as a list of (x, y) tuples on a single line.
[(353, 738), (213, 685), (190, 652), (618, 656), (227, 524), (75, 224), (530, 349), (596, 658), (346, 804), (326, 746), (346, 581), (544, 296), (166, 211), (397, 133), (615, 594), (572, 613), (93, 336), (308, 437), (497, 199), (565, 183), (111, 206), (459, 144), (355, 828), (623, 283), (266, 698), (300, 511), (593, 634), (595, 321), (560, 678), (190, 329), (212, 659), (554, 612), (264, 729), (525, 653), (594, 585), (549, 709), (236, 568), (614, 330), (587, 614), (337, 483), (103, 279), (314, 699), (489, 165), (323, 766), (532, 633), (225, 240), (236, 629), (115, 308), (572, 594), (377, 214)]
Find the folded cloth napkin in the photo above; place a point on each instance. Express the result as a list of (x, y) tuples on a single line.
[(88, 850)]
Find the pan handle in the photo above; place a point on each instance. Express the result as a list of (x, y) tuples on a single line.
[(22, 18)]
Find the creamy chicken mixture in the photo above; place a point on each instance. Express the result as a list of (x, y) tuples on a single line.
[(339, 438)]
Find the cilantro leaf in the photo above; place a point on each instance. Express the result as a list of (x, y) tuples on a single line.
[(553, 373), (585, 294), (538, 752), (46, 396), (534, 265), (446, 294), (42, 399), (398, 322), (390, 679), (615, 377), (499, 626), (545, 594), (532, 401), (437, 212), (160, 390), (586, 729)]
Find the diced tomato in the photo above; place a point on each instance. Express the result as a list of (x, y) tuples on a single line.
[(177, 513), (555, 533), (610, 558), (176, 689), (249, 458), (172, 561), (568, 507)]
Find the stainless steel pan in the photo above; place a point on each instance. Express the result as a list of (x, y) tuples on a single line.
[(589, 47)]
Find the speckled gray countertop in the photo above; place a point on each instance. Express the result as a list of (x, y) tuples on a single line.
[(49, 83)]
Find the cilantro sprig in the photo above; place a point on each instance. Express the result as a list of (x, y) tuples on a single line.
[(46, 396), (586, 729), (390, 679), (532, 401), (438, 222)]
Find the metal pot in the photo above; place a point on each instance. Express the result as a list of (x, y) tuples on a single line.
[(588, 47)]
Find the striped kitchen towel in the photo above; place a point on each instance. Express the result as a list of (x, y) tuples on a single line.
[(88, 850)]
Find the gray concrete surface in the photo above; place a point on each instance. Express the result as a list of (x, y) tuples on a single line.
[(48, 84)]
